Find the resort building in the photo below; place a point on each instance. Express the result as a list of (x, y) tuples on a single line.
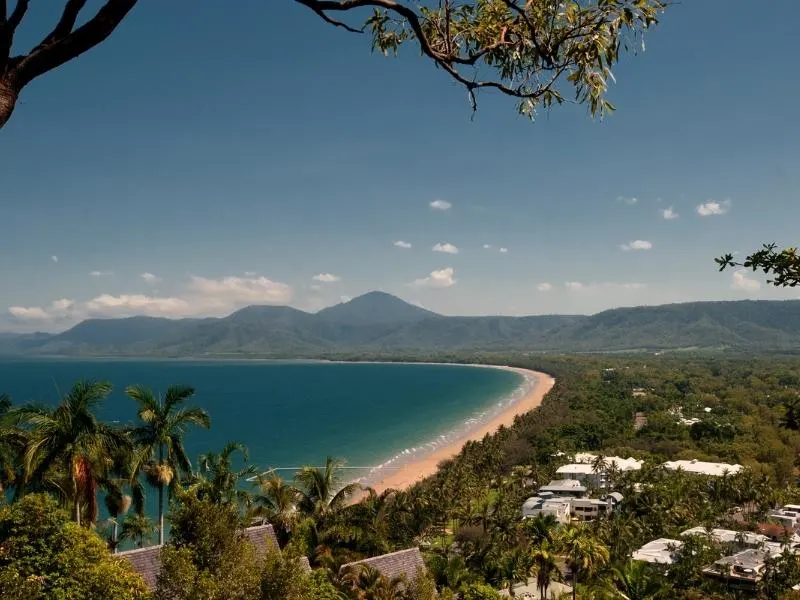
[(565, 488), (703, 468), (586, 470), (788, 516), (559, 508), (147, 561), (662, 551), (405, 564), (745, 568), (566, 501)]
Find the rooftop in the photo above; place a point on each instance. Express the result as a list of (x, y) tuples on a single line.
[(661, 551), (147, 561), (729, 536), (403, 563), (703, 468), (616, 462)]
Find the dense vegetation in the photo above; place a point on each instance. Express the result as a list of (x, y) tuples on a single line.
[(378, 322), (466, 518)]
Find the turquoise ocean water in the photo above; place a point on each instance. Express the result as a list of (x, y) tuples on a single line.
[(295, 413)]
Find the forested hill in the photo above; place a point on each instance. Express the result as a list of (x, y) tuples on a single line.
[(377, 322)]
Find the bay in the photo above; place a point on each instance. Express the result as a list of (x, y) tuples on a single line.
[(290, 414)]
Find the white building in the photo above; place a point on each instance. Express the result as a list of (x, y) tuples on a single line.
[(584, 469), (703, 468), (560, 508), (662, 551)]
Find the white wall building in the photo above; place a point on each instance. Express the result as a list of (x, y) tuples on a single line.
[(703, 468)]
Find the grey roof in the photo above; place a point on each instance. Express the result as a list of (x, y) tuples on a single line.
[(147, 561), (403, 563), (261, 535)]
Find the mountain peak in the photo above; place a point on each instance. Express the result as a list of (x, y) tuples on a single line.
[(375, 308)]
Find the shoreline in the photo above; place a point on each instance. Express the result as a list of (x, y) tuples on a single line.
[(534, 387)]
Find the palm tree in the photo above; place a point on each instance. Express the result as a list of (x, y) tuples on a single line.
[(636, 581), (159, 439), (137, 528), (546, 567), (582, 551), (320, 490), (513, 567), (276, 501), (12, 445), (70, 444), (117, 503), (218, 481), (362, 582)]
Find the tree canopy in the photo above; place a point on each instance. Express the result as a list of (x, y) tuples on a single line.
[(531, 50)]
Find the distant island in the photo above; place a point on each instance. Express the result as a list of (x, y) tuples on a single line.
[(379, 323)]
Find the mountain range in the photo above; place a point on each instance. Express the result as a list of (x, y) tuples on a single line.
[(380, 323)]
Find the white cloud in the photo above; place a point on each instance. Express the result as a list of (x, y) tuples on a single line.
[(741, 281), (54, 258), (315, 287), (637, 245), (446, 248), (443, 278), (345, 299), (150, 278), (57, 309), (487, 246), (669, 213), (603, 286), (503, 250), (101, 273), (712, 208), (629, 200), (326, 278), (249, 273), (544, 287), (402, 244), (29, 313), (441, 205), (138, 304), (237, 291)]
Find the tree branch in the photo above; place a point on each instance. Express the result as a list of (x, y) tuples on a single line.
[(65, 23), (46, 58), (16, 17)]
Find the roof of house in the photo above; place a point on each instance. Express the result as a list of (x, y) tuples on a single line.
[(747, 559), (702, 467), (623, 464), (403, 563), (564, 485), (728, 536), (147, 561), (660, 551)]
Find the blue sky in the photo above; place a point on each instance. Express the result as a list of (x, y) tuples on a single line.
[(234, 154)]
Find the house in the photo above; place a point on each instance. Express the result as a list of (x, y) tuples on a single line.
[(406, 564), (566, 509), (544, 504), (565, 487), (586, 470), (147, 561), (745, 539), (703, 468), (662, 551), (788, 516), (745, 568)]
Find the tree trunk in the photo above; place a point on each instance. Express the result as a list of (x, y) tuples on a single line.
[(114, 536), (161, 499), (8, 97), (77, 511), (574, 584)]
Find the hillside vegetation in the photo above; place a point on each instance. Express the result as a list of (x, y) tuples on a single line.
[(381, 323)]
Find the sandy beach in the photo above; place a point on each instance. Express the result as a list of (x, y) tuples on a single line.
[(415, 470)]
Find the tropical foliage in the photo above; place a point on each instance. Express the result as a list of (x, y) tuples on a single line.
[(466, 518)]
